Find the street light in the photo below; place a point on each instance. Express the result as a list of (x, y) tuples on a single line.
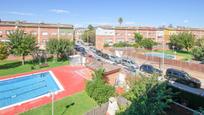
[(52, 94), (174, 51), (163, 56)]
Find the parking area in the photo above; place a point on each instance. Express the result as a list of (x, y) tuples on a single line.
[(133, 64)]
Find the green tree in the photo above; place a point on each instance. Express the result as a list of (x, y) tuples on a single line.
[(59, 47), (21, 44), (138, 37), (89, 35), (198, 53), (98, 89), (198, 50), (148, 97), (147, 43), (182, 40), (120, 20), (188, 40), (4, 53)]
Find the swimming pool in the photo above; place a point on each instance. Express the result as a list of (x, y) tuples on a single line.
[(16, 91), (160, 55)]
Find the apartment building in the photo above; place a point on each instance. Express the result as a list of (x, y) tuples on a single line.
[(111, 35), (197, 32), (42, 31)]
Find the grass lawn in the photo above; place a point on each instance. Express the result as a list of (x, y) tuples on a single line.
[(186, 55), (77, 104), (14, 67)]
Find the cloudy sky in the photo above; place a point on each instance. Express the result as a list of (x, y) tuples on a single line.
[(106, 12)]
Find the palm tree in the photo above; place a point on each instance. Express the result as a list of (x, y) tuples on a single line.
[(120, 20)]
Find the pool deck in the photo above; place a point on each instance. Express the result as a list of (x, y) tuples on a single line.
[(69, 78)]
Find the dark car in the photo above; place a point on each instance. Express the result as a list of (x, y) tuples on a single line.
[(115, 59), (99, 53), (150, 69), (182, 77), (104, 55)]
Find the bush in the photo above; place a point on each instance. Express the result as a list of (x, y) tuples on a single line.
[(198, 53), (4, 52), (182, 40), (148, 97), (106, 45), (121, 44), (98, 89), (147, 43), (59, 47)]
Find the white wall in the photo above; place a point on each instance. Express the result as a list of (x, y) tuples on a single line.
[(105, 32)]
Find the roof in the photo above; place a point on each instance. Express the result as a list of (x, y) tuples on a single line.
[(29, 24), (109, 68), (149, 28)]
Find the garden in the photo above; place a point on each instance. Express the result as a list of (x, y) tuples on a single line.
[(22, 45)]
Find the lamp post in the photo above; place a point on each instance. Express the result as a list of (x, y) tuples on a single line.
[(163, 57), (52, 96), (174, 51)]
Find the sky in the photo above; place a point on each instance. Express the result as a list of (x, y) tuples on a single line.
[(80, 13)]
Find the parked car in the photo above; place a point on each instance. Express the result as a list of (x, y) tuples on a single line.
[(105, 56), (150, 69), (115, 59), (92, 49), (129, 63), (182, 77), (99, 53)]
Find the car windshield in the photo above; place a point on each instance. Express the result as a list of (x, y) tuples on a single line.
[(187, 75)]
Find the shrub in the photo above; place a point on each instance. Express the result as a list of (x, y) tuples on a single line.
[(98, 89), (121, 44), (4, 52), (147, 43), (182, 40), (198, 53), (106, 45), (148, 97)]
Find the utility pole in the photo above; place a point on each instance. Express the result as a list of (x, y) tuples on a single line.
[(163, 56)]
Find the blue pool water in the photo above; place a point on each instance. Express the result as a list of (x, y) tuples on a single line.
[(160, 55), (20, 89)]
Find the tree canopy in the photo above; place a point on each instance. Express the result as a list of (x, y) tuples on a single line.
[(138, 37), (21, 43), (148, 97), (147, 43), (4, 52), (120, 20), (98, 89), (198, 50), (182, 40), (59, 47), (89, 35)]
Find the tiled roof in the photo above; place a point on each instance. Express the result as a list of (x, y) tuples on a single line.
[(28, 24)]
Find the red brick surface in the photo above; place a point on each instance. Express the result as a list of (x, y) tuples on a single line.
[(69, 78)]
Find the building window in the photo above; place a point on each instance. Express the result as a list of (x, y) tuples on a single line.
[(120, 40), (54, 34), (34, 33), (62, 34), (44, 33)]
